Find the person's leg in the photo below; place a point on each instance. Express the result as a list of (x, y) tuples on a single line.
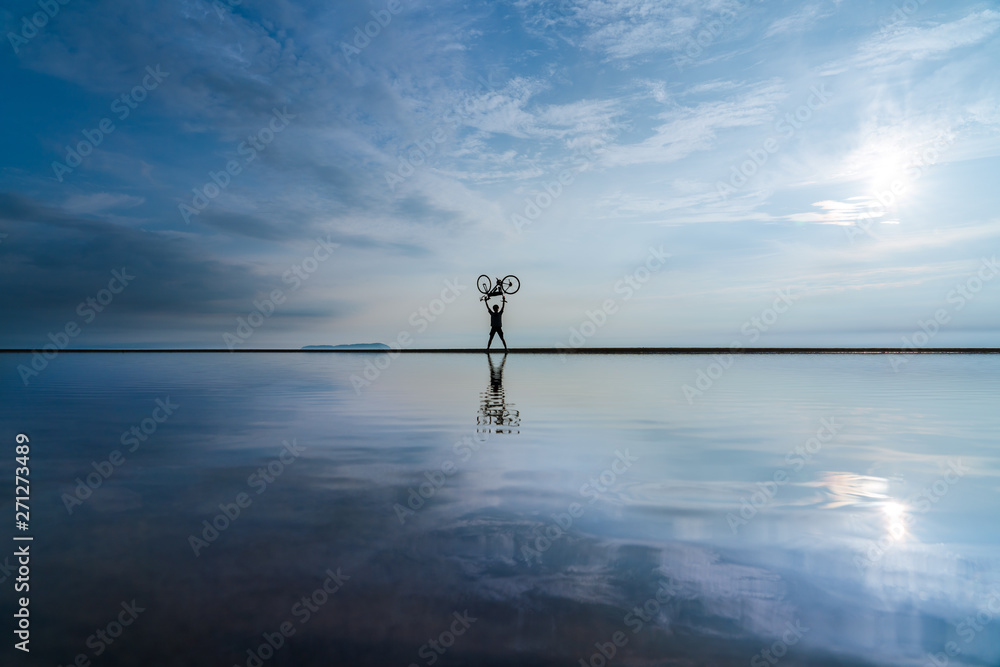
[(500, 331), (492, 333)]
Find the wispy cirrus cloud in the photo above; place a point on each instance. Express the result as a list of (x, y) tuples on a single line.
[(914, 43), (800, 21), (512, 112), (502, 97), (687, 129), (624, 29), (833, 212)]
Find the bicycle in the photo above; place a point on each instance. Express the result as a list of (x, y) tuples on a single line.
[(506, 285)]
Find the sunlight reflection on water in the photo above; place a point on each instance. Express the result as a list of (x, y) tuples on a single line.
[(548, 499)]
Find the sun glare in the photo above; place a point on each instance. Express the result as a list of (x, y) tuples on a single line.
[(895, 518), (887, 172)]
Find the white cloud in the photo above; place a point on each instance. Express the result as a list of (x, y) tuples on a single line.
[(833, 212), (712, 87), (915, 43), (689, 129), (800, 21), (623, 29), (658, 90)]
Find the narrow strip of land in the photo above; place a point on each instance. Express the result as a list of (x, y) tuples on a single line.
[(536, 350)]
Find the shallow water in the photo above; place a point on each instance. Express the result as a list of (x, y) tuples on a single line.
[(825, 509)]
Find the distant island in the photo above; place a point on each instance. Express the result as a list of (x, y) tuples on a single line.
[(352, 346)]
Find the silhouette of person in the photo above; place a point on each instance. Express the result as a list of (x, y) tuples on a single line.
[(496, 324)]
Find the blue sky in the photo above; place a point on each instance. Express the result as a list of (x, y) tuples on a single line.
[(749, 141)]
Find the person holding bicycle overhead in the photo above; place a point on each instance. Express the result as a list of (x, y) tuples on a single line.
[(504, 286), (496, 325)]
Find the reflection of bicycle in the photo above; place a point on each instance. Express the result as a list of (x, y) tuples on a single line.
[(508, 285)]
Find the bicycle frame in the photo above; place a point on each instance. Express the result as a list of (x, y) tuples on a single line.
[(501, 287)]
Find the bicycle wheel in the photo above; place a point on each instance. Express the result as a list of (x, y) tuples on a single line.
[(511, 284), (484, 284)]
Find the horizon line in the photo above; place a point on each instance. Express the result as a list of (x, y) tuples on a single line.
[(532, 350)]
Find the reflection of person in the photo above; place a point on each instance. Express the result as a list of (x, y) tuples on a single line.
[(496, 375), (495, 415), (496, 325)]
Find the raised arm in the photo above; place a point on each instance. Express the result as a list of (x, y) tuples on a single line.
[(504, 306)]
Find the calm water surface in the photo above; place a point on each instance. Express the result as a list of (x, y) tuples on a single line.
[(463, 510)]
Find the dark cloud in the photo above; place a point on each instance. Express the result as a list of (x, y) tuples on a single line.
[(293, 224), (241, 224), (52, 261)]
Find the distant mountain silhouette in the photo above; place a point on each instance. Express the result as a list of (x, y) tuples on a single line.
[(352, 346)]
